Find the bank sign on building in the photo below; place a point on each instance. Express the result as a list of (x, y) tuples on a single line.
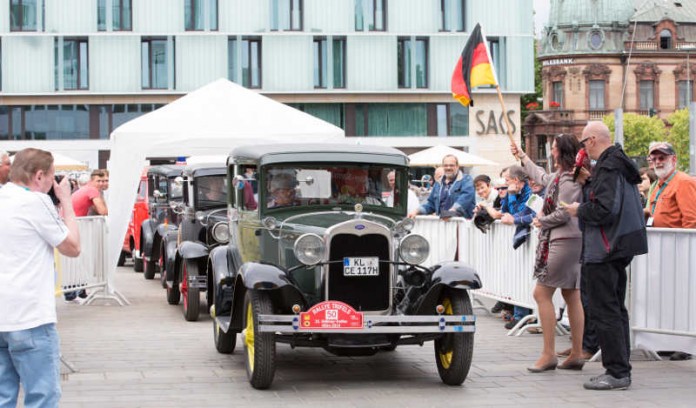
[(74, 70)]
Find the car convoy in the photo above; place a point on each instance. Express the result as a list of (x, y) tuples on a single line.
[(295, 244)]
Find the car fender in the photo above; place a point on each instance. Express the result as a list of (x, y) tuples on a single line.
[(162, 231), (450, 274), (193, 250), (147, 237), (169, 245), (222, 271), (267, 277)]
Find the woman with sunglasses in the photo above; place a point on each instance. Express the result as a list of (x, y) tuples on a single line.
[(557, 259)]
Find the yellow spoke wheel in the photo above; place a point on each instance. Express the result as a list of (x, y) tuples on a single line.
[(454, 351), (260, 347)]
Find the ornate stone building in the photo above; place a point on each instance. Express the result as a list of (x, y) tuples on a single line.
[(599, 55)]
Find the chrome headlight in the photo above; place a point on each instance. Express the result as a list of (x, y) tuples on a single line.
[(309, 249), (404, 226), (414, 249), (221, 232)]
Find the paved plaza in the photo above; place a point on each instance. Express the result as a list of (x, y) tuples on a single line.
[(146, 355)]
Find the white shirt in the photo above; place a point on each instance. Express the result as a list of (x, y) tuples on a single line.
[(413, 202), (31, 229)]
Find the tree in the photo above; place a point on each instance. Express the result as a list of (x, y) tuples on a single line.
[(639, 131), (679, 136)]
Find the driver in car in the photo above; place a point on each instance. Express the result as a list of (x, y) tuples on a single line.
[(282, 190)]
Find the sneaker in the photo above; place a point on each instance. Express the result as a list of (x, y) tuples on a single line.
[(76, 301), (607, 382), (512, 323), (497, 308)]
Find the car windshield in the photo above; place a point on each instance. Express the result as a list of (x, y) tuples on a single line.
[(176, 188), (332, 185), (211, 191)]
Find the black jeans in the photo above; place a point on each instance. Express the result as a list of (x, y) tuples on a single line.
[(589, 335), (606, 293)]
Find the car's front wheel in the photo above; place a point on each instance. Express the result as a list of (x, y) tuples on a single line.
[(454, 351), (121, 259), (150, 269), (192, 298), (259, 347)]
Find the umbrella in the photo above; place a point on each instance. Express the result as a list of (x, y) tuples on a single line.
[(65, 163), (433, 157)]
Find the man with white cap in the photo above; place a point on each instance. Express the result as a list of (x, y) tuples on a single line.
[(672, 203)]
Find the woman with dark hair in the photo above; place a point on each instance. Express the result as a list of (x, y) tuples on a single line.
[(648, 178), (558, 254)]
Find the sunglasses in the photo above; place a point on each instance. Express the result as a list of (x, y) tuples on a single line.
[(582, 142)]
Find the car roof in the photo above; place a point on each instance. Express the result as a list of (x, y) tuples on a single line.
[(319, 152), (169, 170), (205, 169)]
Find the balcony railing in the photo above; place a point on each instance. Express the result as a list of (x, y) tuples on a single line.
[(655, 46), (597, 114)]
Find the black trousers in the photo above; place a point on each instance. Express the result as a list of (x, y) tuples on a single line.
[(589, 335), (606, 293)]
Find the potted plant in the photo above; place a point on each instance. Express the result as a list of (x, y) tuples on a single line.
[(554, 105)]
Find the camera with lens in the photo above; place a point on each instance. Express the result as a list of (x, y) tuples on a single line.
[(51, 193)]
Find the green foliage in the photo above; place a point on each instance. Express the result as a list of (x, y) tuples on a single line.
[(639, 131), (679, 136)]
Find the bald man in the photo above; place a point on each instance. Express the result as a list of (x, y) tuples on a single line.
[(613, 232)]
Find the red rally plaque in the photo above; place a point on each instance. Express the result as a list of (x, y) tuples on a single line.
[(331, 315)]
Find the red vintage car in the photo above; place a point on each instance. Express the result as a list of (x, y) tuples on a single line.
[(131, 243)]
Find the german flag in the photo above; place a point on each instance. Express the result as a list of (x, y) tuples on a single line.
[(473, 68)]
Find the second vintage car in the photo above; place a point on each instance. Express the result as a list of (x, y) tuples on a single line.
[(203, 225), (319, 258)]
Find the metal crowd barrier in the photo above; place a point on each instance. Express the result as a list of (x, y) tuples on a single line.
[(89, 270), (662, 295), (663, 292)]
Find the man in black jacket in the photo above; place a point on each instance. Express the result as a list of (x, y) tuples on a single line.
[(613, 230)]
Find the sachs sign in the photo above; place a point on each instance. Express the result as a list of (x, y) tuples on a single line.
[(331, 315)]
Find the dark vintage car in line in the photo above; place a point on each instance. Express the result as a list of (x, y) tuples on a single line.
[(163, 189), (323, 261), (203, 226)]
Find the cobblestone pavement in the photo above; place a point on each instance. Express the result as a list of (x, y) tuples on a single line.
[(146, 355)]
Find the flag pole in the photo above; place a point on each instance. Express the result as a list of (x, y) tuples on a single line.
[(497, 88)]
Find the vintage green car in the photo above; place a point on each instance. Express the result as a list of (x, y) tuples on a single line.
[(323, 256)]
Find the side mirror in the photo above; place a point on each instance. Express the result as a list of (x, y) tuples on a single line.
[(239, 182), (158, 194), (309, 180)]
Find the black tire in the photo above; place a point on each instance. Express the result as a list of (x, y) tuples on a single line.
[(454, 351), (224, 342), (173, 294), (150, 269), (137, 264), (259, 348), (163, 270), (121, 259), (192, 297)]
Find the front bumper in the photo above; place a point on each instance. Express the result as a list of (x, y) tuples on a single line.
[(401, 324)]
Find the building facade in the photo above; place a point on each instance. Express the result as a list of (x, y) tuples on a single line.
[(600, 55), (74, 70)]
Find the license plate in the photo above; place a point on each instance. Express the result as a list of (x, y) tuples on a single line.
[(361, 266)]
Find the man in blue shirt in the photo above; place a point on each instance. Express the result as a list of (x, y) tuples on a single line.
[(452, 195)]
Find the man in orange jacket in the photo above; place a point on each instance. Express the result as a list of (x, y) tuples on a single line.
[(672, 202)]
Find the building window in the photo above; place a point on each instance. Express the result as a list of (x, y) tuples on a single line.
[(73, 64), (320, 62), (370, 15), (333, 113), (339, 62), (121, 15), (412, 59), (665, 39), (24, 15), (597, 95), (155, 63), (245, 61), (286, 15), (201, 15), (390, 119), (647, 95), (557, 93), (496, 47), (453, 15), (452, 119), (685, 94)]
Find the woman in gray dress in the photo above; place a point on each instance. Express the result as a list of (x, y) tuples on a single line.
[(558, 254)]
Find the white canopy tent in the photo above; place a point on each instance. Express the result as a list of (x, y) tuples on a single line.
[(64, 163), (432, 156), (209, 121)]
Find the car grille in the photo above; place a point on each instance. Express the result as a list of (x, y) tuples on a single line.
[(363, 293)]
